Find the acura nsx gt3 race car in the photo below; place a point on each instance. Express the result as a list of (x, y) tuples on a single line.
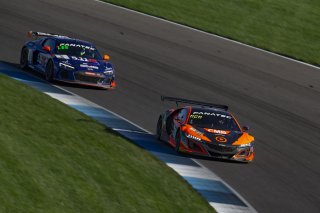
[(205, 129), (67, 59)]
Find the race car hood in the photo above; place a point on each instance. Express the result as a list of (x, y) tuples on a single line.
[(219, 136), (84, 64)]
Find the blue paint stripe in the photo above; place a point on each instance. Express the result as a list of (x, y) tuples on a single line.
[(105, 117), (208, 185), (223, 198)]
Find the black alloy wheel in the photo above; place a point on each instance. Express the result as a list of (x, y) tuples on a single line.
[(49, 71), (178, 141)]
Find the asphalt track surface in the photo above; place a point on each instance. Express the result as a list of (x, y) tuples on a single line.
[(278, 98)]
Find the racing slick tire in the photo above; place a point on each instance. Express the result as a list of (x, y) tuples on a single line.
[(159, 128), (24, 58), (177, 140), (49, 71)]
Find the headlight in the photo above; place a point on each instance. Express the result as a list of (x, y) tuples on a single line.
[(66, 66), (108, 72)]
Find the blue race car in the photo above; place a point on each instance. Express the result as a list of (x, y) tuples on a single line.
[(67, 59)]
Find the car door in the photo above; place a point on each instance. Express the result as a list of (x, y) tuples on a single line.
[(179, 119), (45, 51)]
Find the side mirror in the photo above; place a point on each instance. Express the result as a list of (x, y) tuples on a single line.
[(46, 48), (183, 128), (245, 128), (106, 57)]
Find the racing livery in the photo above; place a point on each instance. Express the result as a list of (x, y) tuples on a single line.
[(205, 129), (67, 59)]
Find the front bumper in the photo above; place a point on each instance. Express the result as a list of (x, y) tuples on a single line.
[(236, 153), (87, 78), (219, 150)]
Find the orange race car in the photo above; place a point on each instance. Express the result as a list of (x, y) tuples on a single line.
[(205, 129)]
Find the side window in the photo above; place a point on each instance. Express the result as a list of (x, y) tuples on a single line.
[(51, 43), (183, 114)]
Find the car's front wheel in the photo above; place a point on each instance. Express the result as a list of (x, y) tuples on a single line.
[(49, 71), (24, 58)]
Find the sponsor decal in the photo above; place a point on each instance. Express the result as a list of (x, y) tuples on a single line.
[(88, 66), (62, 57), (221, 139), (67, 45), (62, 47), (66, 65), (196, 116), (216, 131), (79, 58), (193, 137), (211, 114)]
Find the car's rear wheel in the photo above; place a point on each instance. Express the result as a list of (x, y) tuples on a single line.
[(159, 128), (178, 141), (24, 58), (49, 71)]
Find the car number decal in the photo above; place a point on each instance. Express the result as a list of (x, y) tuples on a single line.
[(221, 139)]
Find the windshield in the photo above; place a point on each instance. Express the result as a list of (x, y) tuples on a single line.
[(214, 120), (78, 50)]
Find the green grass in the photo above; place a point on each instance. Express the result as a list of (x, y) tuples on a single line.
[(287, 27), (55, 159)]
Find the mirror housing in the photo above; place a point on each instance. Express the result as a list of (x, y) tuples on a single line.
[(46, 48), (106, 57), (183, 128), (245, 128)]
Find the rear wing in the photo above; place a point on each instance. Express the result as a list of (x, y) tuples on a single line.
[(41, 34), (192, 102)]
